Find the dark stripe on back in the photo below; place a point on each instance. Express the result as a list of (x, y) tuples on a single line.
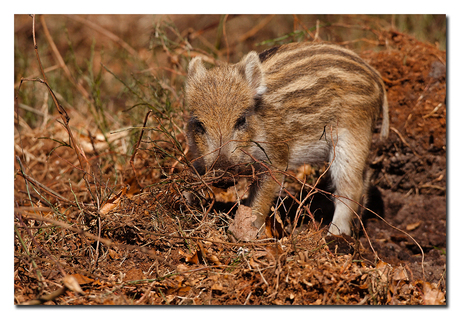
[(314, 50), (334, 85), (310, 70)]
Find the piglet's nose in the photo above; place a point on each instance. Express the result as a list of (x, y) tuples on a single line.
[(221, 178)]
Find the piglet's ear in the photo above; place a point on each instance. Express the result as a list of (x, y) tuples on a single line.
[(196, 68), (253, 73)]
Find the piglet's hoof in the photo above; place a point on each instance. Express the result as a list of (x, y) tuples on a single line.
[(340, 244), (242, 228)]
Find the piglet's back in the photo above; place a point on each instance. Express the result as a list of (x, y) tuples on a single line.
[(321, 84)]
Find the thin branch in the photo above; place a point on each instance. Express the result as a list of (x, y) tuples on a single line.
[(64, 116), (107, 242), (39, 185), (256, 28), (60, 60), (106, 33), (131, 161)]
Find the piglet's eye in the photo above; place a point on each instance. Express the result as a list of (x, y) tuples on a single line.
[(198, 126), (241, 123)]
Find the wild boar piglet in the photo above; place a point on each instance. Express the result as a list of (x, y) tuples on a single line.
[(275, 110)]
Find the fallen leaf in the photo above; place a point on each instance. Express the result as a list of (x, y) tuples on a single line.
[(275, 250), (170, 298), (134, 274), (400, 274), (71, 283), (202, 253), (383, 269), (113, 254), (182, 268), (113, 202), (274, 226), (182, 291), (364, 286), (432, 295), (242, 227), (214, 260), (253, 263), (317, 302), (193, 259), (179, 279), (413, 226), (134, 187), (217, 286), (81, 279)]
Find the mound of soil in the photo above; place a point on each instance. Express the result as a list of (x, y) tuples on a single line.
[(410, 167)]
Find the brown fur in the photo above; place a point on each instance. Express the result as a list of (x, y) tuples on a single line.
[(278, 108)]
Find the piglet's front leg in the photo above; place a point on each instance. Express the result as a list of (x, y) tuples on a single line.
[(261, 198)]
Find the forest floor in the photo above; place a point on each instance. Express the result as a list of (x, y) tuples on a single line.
[(111, 225)]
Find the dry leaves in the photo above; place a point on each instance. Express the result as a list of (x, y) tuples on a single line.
[(242, 227)]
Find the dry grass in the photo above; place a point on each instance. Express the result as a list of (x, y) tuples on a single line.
[(101, 170)]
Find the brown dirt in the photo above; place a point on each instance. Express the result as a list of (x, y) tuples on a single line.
[(411, 166), (157, 248)]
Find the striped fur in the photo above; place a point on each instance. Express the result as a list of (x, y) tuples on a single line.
[(278, 107)]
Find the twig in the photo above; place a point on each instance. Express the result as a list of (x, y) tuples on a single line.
[(60, 60), (39, 185), (337, 287), (313, 189), (394, 82), (131, 161), (404, 141), (64, 116), (362, 27), (256, 29), (270, 171), (296, 19), (107, 242), (258, 269), (317, 38), (145, 295), (108, 34), (84, 164), (31, 109), (225, 37), (99, 227), (432, 112), (50, 297), (69, 283), (39, 247), (24, 246), (47, 70), (359, 40)]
